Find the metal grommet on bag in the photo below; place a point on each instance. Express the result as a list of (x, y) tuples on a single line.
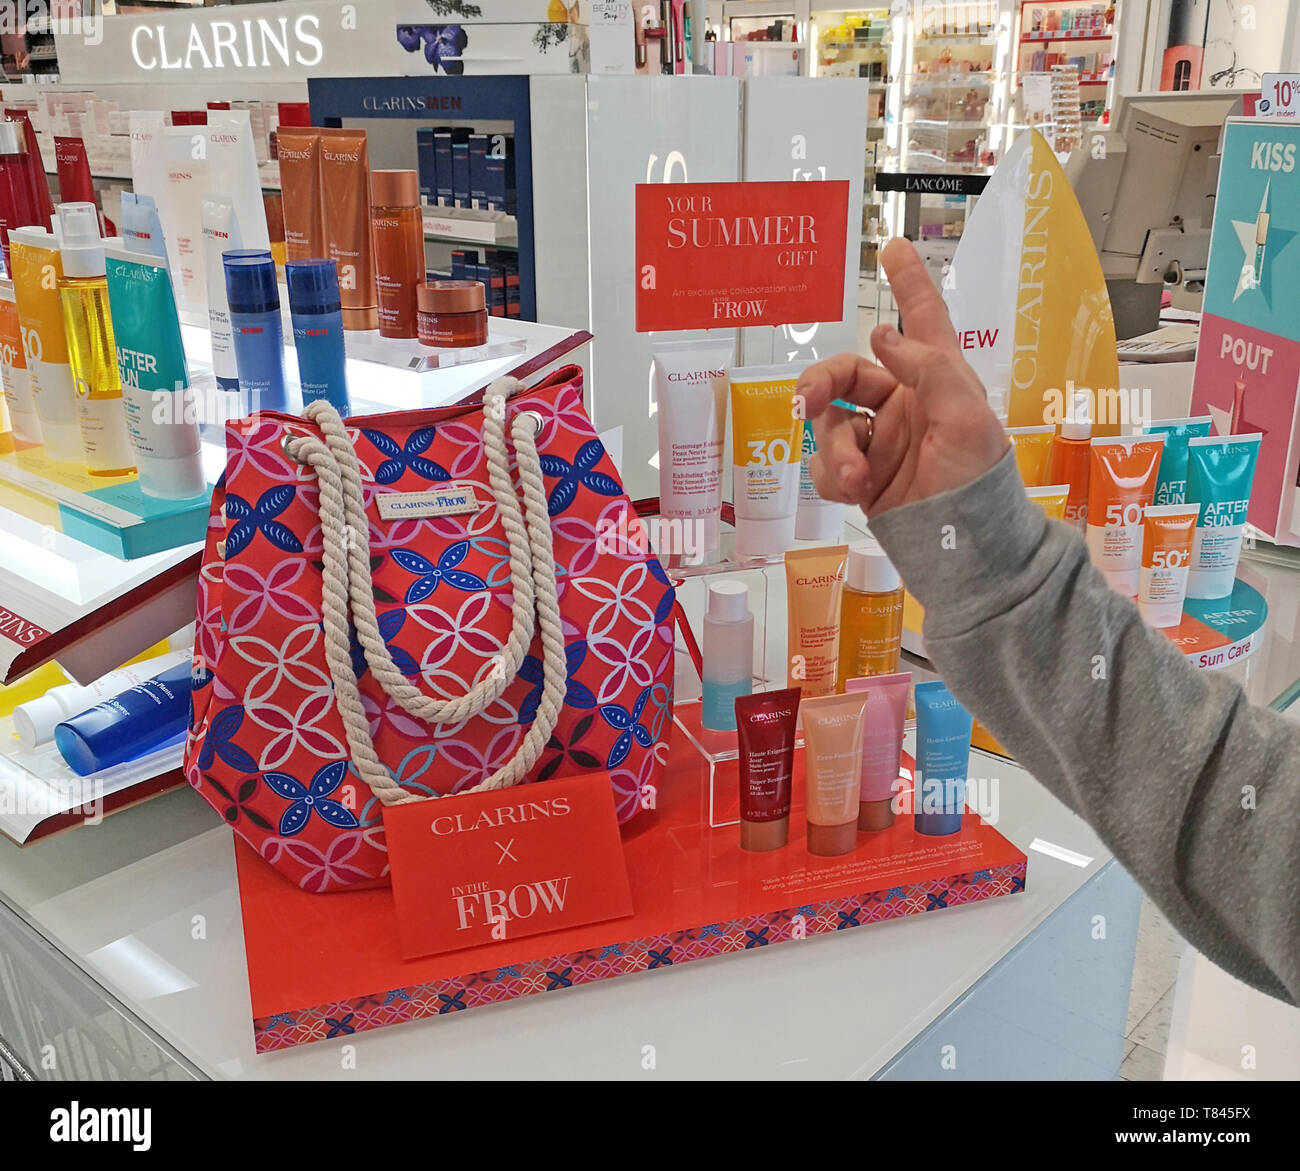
[(538, 421)]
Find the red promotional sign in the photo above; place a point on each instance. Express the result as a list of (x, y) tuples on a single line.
[(719, 255), (486, 867)]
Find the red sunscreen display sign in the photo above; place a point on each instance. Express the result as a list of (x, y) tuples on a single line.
[(720, 255), (484, 867)]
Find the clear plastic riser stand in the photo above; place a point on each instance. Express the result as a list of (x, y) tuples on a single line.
[(767, 603)]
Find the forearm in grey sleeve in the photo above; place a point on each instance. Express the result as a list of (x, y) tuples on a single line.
[(1195, 791)]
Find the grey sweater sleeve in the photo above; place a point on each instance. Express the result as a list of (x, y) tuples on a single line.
[(1194, 790)]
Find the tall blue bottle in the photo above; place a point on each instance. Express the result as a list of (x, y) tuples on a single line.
[(255, 326), (127, 726), (315, 311)]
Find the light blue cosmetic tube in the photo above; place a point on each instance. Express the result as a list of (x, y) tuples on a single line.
[(1171, 484), (127, 726), (943, 731), (141, 228), (1220, 472)]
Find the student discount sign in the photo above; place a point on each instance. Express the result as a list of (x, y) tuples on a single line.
[(718, 255)]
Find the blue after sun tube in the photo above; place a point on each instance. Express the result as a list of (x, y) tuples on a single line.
[(315, 311), (943, 731), (127, 726), (255, 328)]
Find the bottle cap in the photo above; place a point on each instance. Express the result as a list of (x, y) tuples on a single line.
[(822, 521), (11, 143), (875, 815), (728, 601), (63, 442), (830, 841), (35, 720), (250, 280), (172, 477), (450, 297), (869, 570), (757, 836), (80, 246), (764, 538), (1161, 614), (394, 189), (1122, 581), (1078, 423), (1203, 583), (313, 286)]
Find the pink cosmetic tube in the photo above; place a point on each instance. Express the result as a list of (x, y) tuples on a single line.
[(882, 745)]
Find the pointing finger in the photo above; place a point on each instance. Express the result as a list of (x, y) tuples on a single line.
[(920, 304)]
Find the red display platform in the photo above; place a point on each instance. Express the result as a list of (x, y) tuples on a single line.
[(325, 966)]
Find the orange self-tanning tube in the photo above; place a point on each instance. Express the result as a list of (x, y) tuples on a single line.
[(345, 220), (765, 727), (299, 148), (1121, 483), (1169, 530)]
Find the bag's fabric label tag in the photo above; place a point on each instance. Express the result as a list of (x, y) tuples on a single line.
[(449, 500)]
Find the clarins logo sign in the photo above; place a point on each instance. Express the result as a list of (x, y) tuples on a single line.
[(261, 42), (696, 375), (419, 103)]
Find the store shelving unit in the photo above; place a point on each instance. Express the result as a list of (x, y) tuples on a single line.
[(949, 127), (857, 42), (1064, 32)]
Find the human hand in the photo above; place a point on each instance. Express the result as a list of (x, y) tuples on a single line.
[(933, 430)]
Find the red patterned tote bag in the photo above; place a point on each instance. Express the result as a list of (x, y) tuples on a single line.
[(400, 607)]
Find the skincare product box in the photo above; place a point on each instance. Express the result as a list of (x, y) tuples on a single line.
[(499, 173), (460, 167), (426, 155), (478, 148), (442, 163)]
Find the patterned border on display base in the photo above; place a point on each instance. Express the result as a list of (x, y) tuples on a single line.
[(379, 1009)]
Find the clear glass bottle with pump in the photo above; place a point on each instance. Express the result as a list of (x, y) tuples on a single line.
[(92, 352), (728, 654), (871, 615)]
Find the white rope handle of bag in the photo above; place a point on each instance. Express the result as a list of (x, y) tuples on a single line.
[(348, 592)]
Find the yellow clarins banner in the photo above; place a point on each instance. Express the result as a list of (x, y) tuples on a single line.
[(1027, 296)]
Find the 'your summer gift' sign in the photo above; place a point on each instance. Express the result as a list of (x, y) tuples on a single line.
[(720, 255)]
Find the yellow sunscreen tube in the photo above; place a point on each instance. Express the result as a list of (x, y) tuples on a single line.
[(38, 268), (767, 430), (1051, 498), (1032, 447)]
